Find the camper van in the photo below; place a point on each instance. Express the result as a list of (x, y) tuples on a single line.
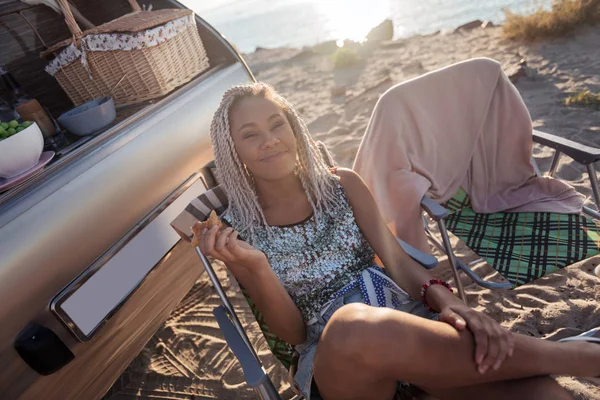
[(89, 265)]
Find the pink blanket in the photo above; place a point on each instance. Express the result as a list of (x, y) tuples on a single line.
[(461, 126)]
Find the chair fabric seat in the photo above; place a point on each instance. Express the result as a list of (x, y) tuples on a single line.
[(523, 246)]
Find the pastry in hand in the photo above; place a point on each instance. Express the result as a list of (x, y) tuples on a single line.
[(213, 220), (198, 227)]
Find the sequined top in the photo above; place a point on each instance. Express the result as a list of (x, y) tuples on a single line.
[(315, 260)]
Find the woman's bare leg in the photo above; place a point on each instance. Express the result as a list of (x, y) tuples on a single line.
[(538, 388), (365, 350)]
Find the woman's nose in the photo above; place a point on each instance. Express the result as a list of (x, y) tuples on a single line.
[(270, 141)]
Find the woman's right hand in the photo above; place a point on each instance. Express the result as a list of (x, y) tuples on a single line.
[(224, 245), (251, 269)]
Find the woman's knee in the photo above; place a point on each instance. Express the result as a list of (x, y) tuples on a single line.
[(345, 330), (343, 365), (352, 331)]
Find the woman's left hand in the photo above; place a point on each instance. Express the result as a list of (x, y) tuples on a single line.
[(493, 343)]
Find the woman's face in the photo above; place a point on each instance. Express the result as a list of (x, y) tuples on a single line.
[(263, 138)]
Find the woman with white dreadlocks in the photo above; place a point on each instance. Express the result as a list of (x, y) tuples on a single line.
[(308, 262)]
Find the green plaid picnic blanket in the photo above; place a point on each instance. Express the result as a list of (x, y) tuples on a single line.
[(523, 246)]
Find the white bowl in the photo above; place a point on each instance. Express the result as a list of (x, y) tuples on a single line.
[(21, 151)]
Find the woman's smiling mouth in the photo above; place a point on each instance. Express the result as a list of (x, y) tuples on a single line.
[(273, 157)]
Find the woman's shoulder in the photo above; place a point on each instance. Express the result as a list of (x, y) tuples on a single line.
[(355, 190), (349, 179)]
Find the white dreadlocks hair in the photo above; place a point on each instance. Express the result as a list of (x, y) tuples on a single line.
[(237, 182)]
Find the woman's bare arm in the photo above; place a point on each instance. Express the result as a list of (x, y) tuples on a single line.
[(275, 304), (252, 269), (406, 272), (493, 342)]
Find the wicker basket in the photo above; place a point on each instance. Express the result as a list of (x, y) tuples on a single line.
[(149, 72)]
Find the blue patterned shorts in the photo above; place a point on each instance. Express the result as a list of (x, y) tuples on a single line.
[(307, 350)]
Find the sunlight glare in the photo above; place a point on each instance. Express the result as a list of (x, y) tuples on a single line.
[(352, 19)]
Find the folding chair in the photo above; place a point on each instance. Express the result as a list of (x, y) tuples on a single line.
[(521, 246), (198, 210), (467, 123)]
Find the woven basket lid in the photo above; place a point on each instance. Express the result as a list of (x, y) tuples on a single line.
[(129, 23)]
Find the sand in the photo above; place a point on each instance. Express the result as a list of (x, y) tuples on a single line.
[(188, 357)]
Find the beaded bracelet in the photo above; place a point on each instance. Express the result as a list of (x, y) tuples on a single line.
[(432, 282)]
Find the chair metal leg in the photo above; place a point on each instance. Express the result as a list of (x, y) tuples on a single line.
[(460, 265), (254, 373), (554, 165), (215, 281), (267, 391), (535, 167), (236, 338), (434, 240), (452, 259), (478, 280), (591, 212), (594, 181), (591, 170)]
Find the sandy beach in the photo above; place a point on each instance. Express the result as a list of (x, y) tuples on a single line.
[(188, 357)]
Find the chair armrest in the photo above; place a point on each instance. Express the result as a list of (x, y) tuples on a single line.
[(433, 209), (253, 372), (426, 260), (579, 152)]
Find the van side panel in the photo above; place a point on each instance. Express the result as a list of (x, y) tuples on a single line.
[(101, 198)]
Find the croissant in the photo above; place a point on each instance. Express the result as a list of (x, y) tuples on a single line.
[(213, 220), (199, 226)]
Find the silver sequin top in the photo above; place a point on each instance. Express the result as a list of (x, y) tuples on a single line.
[(315, 261)]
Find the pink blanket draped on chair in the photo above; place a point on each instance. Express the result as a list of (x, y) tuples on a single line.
[(461, 126)]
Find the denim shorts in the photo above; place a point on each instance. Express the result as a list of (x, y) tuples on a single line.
[(304, 375)]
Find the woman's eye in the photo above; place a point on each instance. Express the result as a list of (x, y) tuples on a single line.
[(278, 125), (249, 135)]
